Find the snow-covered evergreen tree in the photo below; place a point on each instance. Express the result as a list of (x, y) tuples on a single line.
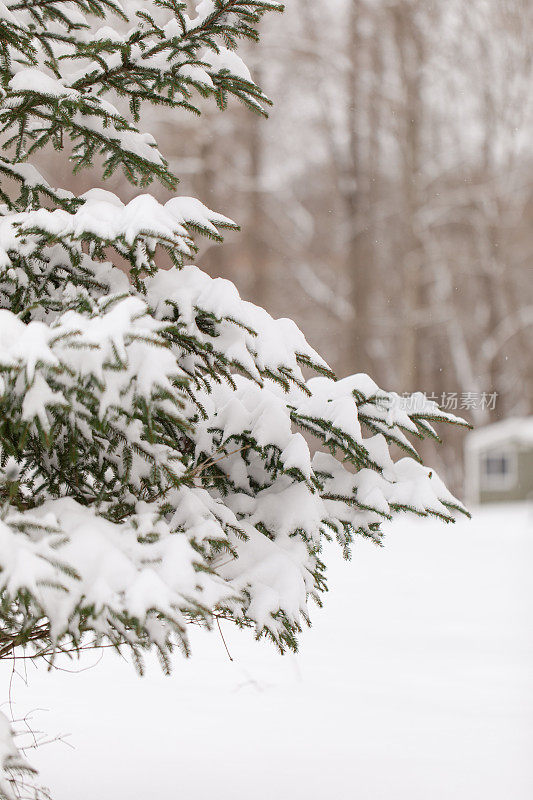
[(164, 455)]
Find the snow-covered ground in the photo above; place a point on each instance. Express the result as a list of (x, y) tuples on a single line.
[(415, 683)]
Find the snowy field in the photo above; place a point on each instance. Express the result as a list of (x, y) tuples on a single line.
[(415, 683)]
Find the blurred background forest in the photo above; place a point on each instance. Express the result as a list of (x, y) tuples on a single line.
[(387, 203)]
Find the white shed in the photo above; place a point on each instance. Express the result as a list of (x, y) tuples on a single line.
[(499, 462)]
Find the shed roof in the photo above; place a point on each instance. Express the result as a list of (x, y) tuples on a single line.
[(517, 429)]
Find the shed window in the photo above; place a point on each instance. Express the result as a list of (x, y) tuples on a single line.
[(498, 470)]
